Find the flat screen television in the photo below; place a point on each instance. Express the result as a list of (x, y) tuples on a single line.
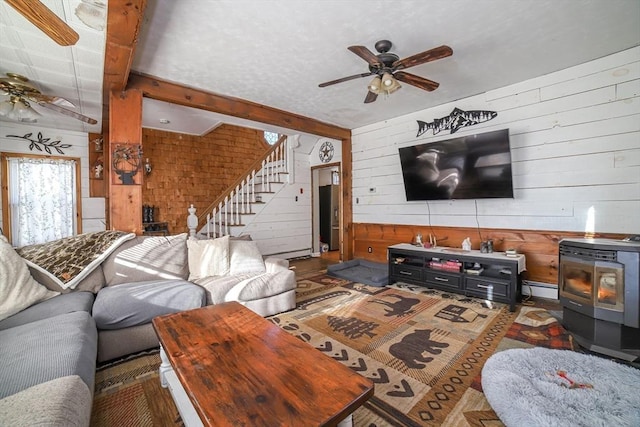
[(467, 167)]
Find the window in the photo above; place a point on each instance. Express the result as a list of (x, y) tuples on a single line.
[(41, 198), (271, 137)]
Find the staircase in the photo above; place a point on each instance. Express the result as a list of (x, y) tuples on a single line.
[(238, 205)]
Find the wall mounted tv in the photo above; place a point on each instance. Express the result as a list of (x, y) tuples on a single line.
[(467, 167)]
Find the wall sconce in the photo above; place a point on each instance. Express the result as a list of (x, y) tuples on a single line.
[(147, 166)]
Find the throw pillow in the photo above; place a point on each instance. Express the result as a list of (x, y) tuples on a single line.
[(245, 257), (18, 290), (208, 257)]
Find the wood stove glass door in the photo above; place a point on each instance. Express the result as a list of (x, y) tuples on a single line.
[(609, 280), (576, 279)]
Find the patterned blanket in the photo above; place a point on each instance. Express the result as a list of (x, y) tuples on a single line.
[(67, 261)]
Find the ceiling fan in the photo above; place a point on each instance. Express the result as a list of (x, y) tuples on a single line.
[(21, 93), (386, 65), (47, 21)]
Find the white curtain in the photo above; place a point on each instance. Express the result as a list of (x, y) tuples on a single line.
[(42, 199)]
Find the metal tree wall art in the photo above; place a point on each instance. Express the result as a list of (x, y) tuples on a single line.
[(456, 120), (46, 143), (126, 161)]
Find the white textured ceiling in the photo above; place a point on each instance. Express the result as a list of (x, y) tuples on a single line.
[(277, 52)]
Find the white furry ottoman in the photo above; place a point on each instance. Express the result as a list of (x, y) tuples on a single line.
[(543, 387)]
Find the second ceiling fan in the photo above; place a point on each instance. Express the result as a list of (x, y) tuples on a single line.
[(17, 94), (386, 67)]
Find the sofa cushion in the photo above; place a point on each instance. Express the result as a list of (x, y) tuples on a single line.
[(247, 287), (68, 261), (131, 304), (208, 257), (61, 304), (46, 349), (262, 286), (147, 258), (18, 290), (217, 287), (64, 401), (245, 257), (274, 265)]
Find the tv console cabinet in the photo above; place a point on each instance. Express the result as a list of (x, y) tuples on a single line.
[(491, 276)]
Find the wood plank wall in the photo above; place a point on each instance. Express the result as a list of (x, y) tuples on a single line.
[(93, 208), (539, 247), (191, 169), (575, 156), (574, 152)]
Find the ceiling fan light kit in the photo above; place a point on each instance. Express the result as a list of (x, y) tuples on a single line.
[(389, 83), (93, 14), (375, 85), (19, 110), (385, 66)]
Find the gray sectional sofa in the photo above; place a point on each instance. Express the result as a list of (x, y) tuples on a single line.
[(54, 344)]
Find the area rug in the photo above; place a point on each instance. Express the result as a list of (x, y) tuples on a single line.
[(128, 394), (423, 349)]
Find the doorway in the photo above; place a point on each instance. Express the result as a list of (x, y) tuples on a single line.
[(327, 211)]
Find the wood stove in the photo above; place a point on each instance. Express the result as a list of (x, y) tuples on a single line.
[(599, 284)]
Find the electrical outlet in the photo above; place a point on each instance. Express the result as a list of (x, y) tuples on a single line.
[(370, 250)]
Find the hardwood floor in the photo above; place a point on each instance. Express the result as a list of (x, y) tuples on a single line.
[(307, 267)]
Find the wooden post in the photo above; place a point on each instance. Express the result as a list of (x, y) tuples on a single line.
[(346, 233), (125, 130)]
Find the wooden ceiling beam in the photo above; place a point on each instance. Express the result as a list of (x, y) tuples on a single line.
[(124, 20), (174, 93)]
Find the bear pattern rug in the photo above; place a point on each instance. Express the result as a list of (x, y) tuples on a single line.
[(424, 349)]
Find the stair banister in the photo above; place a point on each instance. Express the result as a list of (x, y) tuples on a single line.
[(253, 186), (209, 214), (192, 221)]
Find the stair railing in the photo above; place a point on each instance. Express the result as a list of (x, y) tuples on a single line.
[(239, 197)]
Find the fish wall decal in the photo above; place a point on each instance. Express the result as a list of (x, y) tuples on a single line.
[(456, 120)]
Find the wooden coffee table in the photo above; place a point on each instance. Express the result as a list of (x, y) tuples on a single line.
[(226, 365)]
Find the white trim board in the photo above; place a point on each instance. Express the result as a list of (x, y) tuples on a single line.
[(539, 289)]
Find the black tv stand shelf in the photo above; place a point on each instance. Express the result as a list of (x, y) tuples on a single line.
[(490, 276)]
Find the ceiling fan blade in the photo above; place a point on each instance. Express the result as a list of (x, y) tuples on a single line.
[(344, 79), (38, 97), (417, 81), (70, 113), (370, 97), (47, 21), (423, 57), (366, 54)]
